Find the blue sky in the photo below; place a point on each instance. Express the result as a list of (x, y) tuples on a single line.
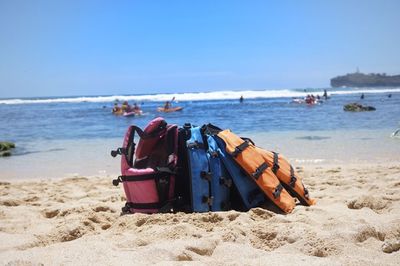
[(54, 48)]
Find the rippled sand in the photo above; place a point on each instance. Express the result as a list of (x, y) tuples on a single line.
[(76, 221)]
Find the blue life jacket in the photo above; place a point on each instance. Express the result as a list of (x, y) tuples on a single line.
[(209, 180), (248, 190)]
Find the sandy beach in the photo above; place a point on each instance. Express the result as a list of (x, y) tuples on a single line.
[(317, 82), (76, 221)]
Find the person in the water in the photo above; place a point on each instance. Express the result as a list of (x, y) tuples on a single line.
[(136, 108), (116, 108), (167, 105), (325, 95)]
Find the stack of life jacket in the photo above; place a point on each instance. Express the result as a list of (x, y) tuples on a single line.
[(202, 169)]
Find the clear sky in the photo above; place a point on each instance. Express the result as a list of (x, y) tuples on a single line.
[(55, 48)]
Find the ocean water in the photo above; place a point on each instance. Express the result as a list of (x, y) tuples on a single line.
[(73, 135)]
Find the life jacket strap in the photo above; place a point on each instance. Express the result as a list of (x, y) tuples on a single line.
[(210, 129), (208, 200), (144, 177), (275, 166), (240, 148), (167, 170), (214, 154), (293, 178), (118, 151), (248, 139), (306, 194), (206, 175), (134, 178), (277, 191), (151, 205), (195, 145), (162, 185), (168, 207), (259, 170), (225, 181)]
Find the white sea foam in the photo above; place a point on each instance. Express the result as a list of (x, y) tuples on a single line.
[(196, 96)]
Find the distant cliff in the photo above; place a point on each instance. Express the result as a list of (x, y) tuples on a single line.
[(366, 80)]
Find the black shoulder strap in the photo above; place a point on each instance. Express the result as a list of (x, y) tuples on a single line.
[(171, 139), (210, 129)]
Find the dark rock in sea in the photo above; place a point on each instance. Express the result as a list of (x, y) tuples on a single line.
[(366, 80), (5, 148), (5, 153), (356, 107)]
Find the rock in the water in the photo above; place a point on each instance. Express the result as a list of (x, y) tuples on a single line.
[(356, 107), (5, 148), (396, 134), (5, 153)]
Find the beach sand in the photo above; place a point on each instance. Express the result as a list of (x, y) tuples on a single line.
[(76, 221)]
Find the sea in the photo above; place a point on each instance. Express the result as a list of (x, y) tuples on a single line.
[(72, 136)]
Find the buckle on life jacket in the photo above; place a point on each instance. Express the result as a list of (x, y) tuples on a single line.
[(126, 209), (116, 182), (166, 170), (195, 145), (293, 178), (208, 200), (225, 181), (118, 151), (240, 148), (276, 166), (206, 175), (306, 194), (277, 191), (214, 154), (259, 170)]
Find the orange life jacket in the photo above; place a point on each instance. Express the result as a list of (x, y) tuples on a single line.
[(287, 175), (253, 163)]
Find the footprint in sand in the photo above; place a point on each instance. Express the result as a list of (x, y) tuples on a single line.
[(366, 232), (212, 218), (184, 256), (391, 246), (336, 170), (374, 203), (320, 247), (50, 213), (268, 239), (103, 209), (141, 221), (203, 248), (260, 214), (10, 202), (233, 216)]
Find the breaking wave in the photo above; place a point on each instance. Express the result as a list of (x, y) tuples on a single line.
[(197, 96)]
